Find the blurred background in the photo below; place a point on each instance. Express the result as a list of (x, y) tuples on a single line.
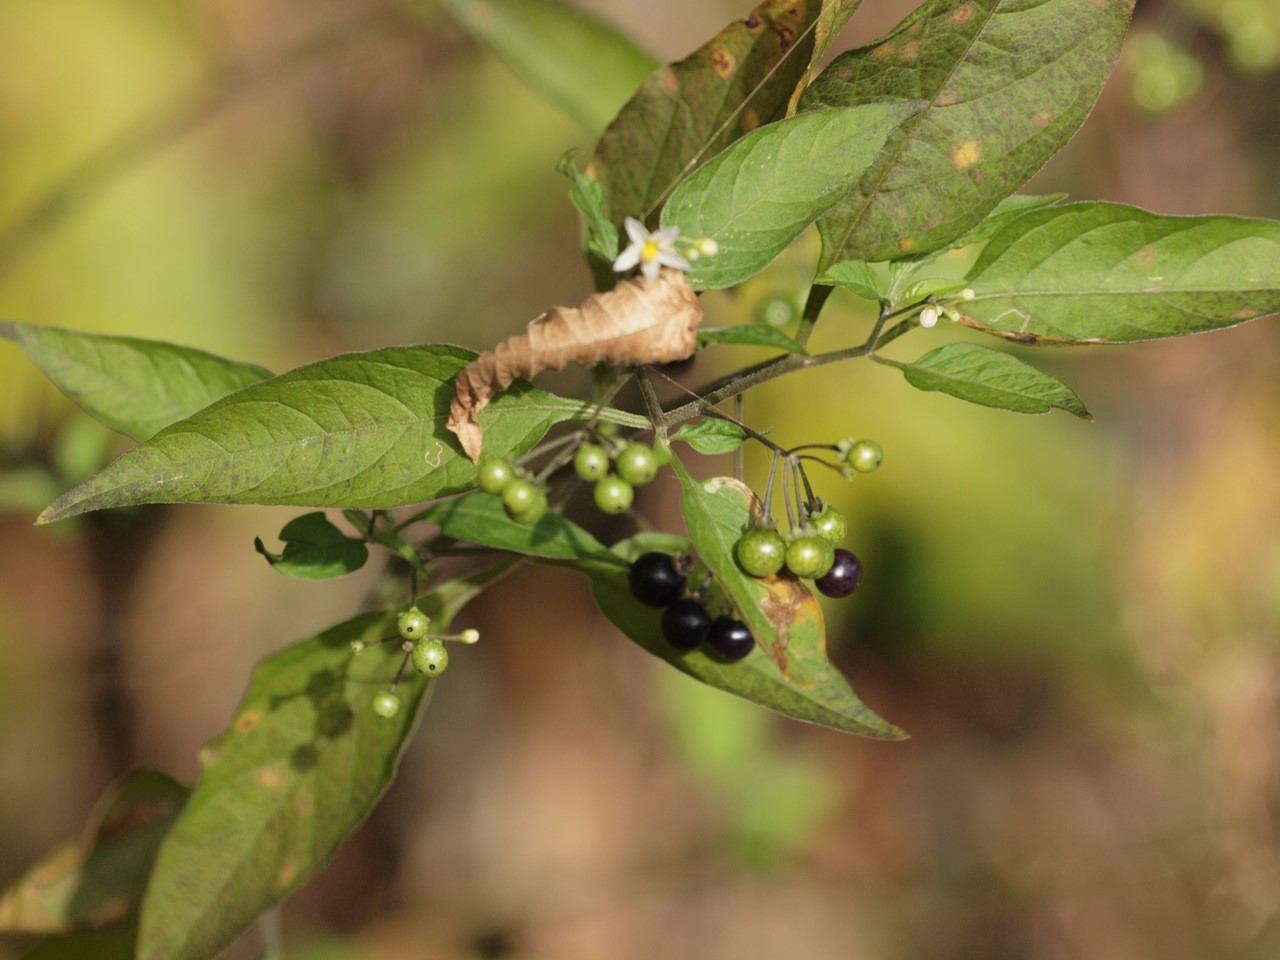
[(1079, 624)]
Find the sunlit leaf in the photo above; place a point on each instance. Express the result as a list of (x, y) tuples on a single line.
[(1007, 82), (577, 62), (1007, 210), (990, 378), (1107, 273), (751, 335), (601, 236), (315, 549), (757, 196), (297, 770), (98, 881), (133, 386), (689, 111), (856, 276), (711, 436), (362, 429)]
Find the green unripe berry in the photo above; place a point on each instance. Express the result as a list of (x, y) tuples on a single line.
[(761, 552), (430, 657), (830, 525), (534, 512), (386, 704), (413, 623), (810, 557), (613, 494), (494, 475), (864, 456), (590, 462), (637, 464), (518, 496)]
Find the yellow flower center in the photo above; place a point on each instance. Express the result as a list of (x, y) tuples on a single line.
[(649, 251)]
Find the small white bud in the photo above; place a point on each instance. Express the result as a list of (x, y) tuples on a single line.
[(707, 247), (967, 293), (469, 636), (928, 317)]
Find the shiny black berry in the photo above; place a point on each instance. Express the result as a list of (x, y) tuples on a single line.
[(729, 639), (843, 577), (655, 581), (685, 624)]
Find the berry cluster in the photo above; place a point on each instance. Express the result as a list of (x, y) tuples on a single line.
[(658, 580), (634, 464), (426, 651), (811, 548), (523, 498)]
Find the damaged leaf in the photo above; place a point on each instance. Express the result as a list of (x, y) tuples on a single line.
[(638, 321)]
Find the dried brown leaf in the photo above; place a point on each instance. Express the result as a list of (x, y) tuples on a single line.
[(639, 321)]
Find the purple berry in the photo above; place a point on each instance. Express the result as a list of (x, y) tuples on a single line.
[(685, 624), (843, 577), (729, 639), (655, 581)]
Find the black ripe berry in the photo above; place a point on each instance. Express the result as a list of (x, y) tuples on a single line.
[(655, 581), (843, 577), (729, 639), (685, 624)]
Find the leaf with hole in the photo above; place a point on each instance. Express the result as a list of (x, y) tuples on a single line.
[(1105, 273), (134, 386), (991, 379), (1007, 82)]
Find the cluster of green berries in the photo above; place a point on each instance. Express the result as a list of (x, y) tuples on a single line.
[(658, 580), (524, 500), (811, 553), (634, 465), (426, 652)]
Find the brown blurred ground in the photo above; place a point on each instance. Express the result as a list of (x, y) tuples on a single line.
[(1077, 623)]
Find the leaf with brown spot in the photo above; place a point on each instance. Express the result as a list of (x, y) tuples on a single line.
[(98, 881), (788, 671), (1008, 84), (687, 112), (278, 797), (639, 321)]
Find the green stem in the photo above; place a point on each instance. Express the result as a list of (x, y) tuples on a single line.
[(812, 307)]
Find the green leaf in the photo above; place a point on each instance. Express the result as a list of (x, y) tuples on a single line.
[(1106, 273), (854, 275), (750, 335), (297, 770), (480, 518), (315, 550), (601, 236), (788, 671), (1008, 83), (97, 882), (577, 62), (760, 194), (990, 378), (133, 386), (711, 436), (1007, 210), (689, 111), (361, 429)]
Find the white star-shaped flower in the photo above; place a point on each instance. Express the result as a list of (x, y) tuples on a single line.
[(652, 251)]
